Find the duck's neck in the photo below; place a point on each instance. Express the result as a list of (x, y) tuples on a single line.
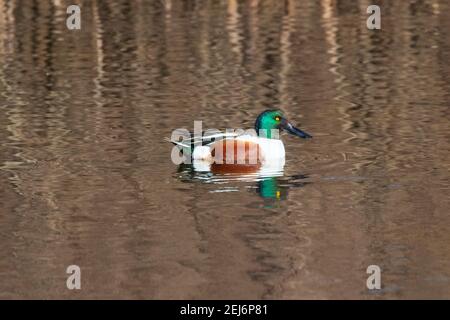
[(269, 133)]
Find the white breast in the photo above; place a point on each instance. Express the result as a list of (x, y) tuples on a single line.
[(202, 153), (271, 149)]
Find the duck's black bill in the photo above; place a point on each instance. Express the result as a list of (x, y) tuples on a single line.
[(296, 132)]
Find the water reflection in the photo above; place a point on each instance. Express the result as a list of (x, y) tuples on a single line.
[(86, 178), (271, 186)]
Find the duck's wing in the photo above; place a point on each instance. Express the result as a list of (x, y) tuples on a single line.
[(203, 140), (210, 138)]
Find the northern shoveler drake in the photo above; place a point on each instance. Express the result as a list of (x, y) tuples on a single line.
[(242, 152)]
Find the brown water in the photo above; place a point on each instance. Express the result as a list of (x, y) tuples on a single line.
[(86, 176)]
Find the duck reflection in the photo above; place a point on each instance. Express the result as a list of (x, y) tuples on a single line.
[(272, 186)]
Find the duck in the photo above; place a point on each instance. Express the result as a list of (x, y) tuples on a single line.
[(242, 152)]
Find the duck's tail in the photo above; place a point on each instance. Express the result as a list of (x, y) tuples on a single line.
[(177, 143)]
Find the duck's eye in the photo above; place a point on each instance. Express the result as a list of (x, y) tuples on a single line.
[(277, 118)]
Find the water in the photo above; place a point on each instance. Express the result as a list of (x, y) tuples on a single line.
[(86, 176)]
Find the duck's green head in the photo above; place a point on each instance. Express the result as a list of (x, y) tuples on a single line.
[(271, 120)]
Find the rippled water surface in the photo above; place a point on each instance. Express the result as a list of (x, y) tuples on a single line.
[(86, 176)]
